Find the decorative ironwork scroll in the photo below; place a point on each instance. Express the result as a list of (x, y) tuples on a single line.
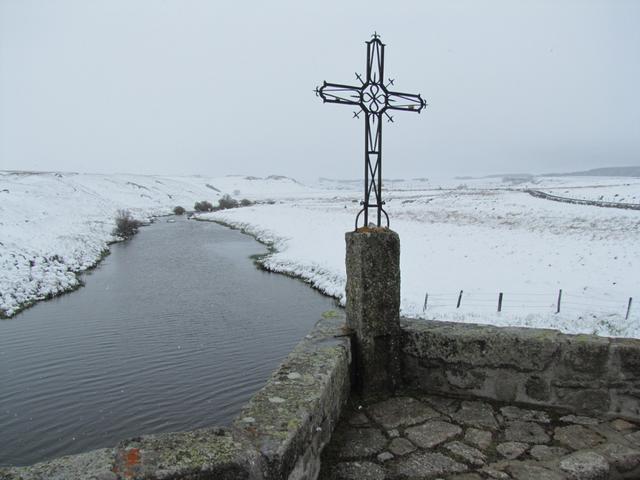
[(374, 98)]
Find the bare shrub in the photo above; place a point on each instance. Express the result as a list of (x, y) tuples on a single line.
[(245, 202), (203, 206), (179, 210), (126, 225), (227, 201)]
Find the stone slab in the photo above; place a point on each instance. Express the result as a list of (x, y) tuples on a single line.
[(432, 433), (476, 414), (585, 466), (511, 412), (478, 438), (401, 412), (512, 450), (423, 465), (577, 437), (526, 432), (530, 471), (356, 471), (466, 453), (401, 446), (545, 452), (358, 442)]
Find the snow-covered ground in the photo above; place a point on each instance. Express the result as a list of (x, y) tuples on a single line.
[(482, 236)]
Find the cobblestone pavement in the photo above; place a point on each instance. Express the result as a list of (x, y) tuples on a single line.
[(428, 437)]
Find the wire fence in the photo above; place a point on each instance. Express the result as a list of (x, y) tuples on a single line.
[(557, 302)]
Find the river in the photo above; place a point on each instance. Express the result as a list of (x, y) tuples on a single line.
[(175, 330)]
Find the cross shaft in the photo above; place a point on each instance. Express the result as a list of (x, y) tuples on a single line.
[(374, 99)]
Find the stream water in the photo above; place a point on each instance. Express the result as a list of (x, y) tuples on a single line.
[(174, 330)]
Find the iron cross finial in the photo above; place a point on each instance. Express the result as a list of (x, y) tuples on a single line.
[(375, 100)]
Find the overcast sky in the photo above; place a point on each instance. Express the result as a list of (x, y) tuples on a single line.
[(212, 87)]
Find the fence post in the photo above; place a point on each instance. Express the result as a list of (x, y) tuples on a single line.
[(500, 302), (459, 299), (628, 308), (559, 300), (426, 298)]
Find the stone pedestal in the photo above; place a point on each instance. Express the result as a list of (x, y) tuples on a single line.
[(373, 308)]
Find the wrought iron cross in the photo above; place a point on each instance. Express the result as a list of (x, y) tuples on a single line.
[(374, 99)]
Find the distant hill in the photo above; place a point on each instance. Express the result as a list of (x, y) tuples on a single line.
[(600, 172)]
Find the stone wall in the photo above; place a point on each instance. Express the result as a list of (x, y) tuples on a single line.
[(578, 201), (582, 373), (279, 435)]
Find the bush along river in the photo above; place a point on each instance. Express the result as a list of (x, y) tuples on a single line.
[(175, 330)]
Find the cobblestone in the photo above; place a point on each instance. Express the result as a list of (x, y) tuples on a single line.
[(544, 452), (401, 446), (476, 414), (527, 432), (439, 438), (577, 437), (401, 411), (585, 466), (512, 450), (515, 413), (432, 433), (478, 438)]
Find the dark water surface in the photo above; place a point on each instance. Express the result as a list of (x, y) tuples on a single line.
[(175, 330)]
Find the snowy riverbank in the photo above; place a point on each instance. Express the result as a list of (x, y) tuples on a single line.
[(54, 225), (482, 236)]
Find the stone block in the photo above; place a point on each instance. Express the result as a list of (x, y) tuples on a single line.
[(584, 354), (626, 355), (480, 345), (212, 451), (93, 464), (465, 378), (584, 399), (538, 388), (291, 419), (373, 307)]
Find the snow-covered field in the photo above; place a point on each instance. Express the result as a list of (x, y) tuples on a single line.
[(482, 236)]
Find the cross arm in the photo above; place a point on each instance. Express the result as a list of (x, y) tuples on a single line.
[(405, 101), (338, 93)]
